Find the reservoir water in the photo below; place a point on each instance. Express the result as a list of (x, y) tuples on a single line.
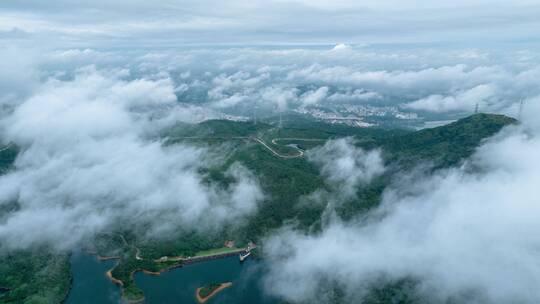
[(90, 285)]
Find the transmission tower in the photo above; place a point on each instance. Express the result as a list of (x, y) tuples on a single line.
[(476, 109)]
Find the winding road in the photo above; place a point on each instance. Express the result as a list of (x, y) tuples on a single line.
[(275, 140), (260, 141)]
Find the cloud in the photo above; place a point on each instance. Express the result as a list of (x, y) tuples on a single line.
[(314, 97), (341, 47), (170, 23), (78, 97), (85, 116), (440, 81), (357, 95), (428, 79), (19, 76), (466, 235), (346, 167), (279, 96), (462, 101), (88, 164), (279, 79)]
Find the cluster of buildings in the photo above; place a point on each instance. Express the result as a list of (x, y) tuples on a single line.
[(356, 115)]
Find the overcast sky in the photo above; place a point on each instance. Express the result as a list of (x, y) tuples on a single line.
[(83, 96), (100, 23)]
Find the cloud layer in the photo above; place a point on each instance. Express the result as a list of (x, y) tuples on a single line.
[(346, 167), (462, 234), (235, 81), (171, 23), (86, 121), (88, 164)]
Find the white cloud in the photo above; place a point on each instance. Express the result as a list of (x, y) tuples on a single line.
[(429, 79), (462, 101), (314, 97), (86, 165), (19, 76), (354, 96), (279, 96), (465, 235), (345, 166), (231, 80), (171, 23), (341, 47)]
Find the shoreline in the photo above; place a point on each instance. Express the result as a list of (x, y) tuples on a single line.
[(69, 289), (203, 258), (181, 261), (107, 258), (113, 279), (120, 283), (202, 300)]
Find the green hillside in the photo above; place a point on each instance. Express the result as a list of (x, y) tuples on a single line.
[(286, 180), (34, 277), (446, 145)]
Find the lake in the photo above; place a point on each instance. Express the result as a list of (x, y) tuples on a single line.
[(90, 285)]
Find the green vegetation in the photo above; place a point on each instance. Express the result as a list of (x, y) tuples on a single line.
[(435, 148), (205, 291), (128, 264), (401, 291), (125, 270), (447, 145), (215, 251), (289, 182), (34, 277), (41, 277), (119, 246), (222, 129), (183, 243)]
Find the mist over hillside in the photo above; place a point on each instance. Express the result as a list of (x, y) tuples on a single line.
[(375, 152)]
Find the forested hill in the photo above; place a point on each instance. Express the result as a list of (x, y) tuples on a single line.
[(433, 149), (446, 145), (286, 181)]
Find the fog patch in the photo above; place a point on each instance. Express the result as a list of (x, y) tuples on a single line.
[(87, 165), (345, 166), (465, 235)]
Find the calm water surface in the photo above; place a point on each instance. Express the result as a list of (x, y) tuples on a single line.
[(178, 286), (90, 285)]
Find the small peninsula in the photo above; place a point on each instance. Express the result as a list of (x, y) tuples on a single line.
[(205, 293)]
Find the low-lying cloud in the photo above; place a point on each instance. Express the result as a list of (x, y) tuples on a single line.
[(345, 166), (460, 101), (234, 81), (89, 163), (462, 235)]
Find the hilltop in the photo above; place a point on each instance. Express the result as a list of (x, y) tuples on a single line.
[(285, 181)]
